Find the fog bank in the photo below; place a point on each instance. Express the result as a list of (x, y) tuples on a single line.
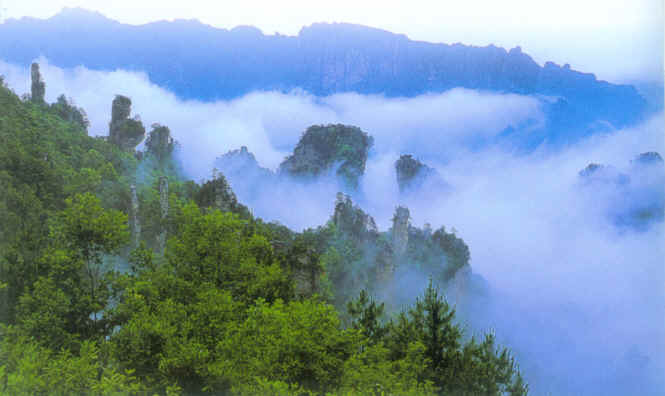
[(578, 298)]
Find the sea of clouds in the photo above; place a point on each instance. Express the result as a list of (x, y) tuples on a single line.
[(579, 300)]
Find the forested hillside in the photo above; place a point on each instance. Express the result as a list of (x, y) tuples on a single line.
[(118, 276)]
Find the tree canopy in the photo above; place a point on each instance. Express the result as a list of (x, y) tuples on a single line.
[(198, 296)]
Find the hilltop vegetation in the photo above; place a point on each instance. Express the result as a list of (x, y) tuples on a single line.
[(636, 194), (118, 276), (322, 149)]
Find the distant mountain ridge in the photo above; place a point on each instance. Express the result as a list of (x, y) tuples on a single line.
[(195, 60)]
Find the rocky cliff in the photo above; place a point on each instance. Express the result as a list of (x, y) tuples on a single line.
[(323, 59), (324, 148), (353, 221), (37, 87), (125, 132), (160, 144), (648, 158), (412, 174), (217, 194), (400, 230), (632, 197)]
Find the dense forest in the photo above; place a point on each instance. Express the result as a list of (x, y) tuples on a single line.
[(119, 276)]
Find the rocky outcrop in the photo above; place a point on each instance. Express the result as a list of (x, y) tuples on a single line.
[(306, 273), (241, 162), (400, 231), (594, 173), (631, 198), (134, 216), (66, 109), (591, 169), (598, 173), (38, 87), (244, 173), (321, 149), (353, 221), (456, 251), (648, 158), (217, 194), (164, 209), (125, 132), (160, 144), (458, 287), (413, 174)]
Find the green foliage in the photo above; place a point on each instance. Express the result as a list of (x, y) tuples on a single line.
[(454, 368), (66, 110), (88, 229), (43, 160), (411, 173), (349, 254), (124, 132), (217, 194), (322, 146), (43, 314), (373, 372), (27, 368), (233, 305), (38, 87), (298, 343), (366, 316), (219, 248), (457, 252), (160, 144), (63, 305), (263, 387)]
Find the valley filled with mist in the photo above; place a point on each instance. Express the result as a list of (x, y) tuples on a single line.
[(303, 215)]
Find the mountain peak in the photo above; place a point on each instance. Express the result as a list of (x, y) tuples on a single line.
[(79, 14), (344, 29), (247, 30), (324, 59)]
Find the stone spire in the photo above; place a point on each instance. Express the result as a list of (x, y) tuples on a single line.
[(38, 88), (164, 205), (159, 142), (125, 132), (136, 225), (400, 230)]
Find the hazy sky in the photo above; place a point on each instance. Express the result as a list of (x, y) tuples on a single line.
[(618, 40)]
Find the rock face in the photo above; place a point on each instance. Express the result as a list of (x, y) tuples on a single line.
[(631, 198), (412, 174), (322, 59), (458, 287), (244, 173), (322, 148), (598, 173), (648, 158), (351, 220), (66, 109), (134, 219), (160, 144), (125, 132), (241, 162), (164, 207), (400, 230), (38, 87), (590, 169), (217, 194)]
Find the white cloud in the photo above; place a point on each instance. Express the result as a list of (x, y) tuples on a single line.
[(572, 291), (270, 123)]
